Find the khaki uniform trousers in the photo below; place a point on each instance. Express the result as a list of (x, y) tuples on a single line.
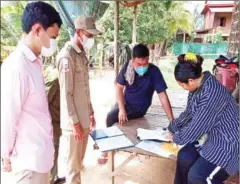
[(75, 152)]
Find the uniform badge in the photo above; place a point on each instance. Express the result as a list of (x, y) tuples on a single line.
[(65, 65)]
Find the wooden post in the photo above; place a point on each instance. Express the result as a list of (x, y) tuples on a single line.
[(184, 37), (134, 33), (116, 35), (100, 48), (111, 164)]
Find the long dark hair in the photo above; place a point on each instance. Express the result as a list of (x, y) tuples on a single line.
[(189, 67)]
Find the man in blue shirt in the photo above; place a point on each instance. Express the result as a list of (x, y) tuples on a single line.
[(135, 86)]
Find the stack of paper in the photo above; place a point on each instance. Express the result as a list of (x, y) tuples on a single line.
[(156, 135), (111, 138), (114, 143), (105, 133)]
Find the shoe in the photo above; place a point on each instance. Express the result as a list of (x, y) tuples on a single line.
[(95, 147), (60, 180)]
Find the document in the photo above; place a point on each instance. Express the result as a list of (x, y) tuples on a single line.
[(161, 149), (106, 132), (157, 135), (114, 143)]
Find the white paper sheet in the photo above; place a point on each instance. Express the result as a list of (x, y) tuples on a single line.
[(159, 134), (153, 147), (114, 143), (113, 131), (105, 133)]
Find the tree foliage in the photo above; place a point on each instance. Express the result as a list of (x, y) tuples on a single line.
[(156, 21), (177, 18), (151, 26), (107, 24), (11, 29)]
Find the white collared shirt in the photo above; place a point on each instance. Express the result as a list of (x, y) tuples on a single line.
[(26, 129)]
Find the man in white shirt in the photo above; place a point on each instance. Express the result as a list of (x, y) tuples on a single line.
[(26, 129)]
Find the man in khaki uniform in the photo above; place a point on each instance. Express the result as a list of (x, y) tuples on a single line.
[(53, 94), (76, 110)]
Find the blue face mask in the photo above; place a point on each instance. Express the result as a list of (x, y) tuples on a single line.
[(141, 70)]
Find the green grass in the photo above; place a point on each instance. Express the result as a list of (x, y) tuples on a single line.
[(167, 68)]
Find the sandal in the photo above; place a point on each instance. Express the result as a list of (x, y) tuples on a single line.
[(103, 159)]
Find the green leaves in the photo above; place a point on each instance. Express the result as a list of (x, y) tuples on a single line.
[(179, 19), (11, 30), (64, 36), (125, 26), (156, 21)]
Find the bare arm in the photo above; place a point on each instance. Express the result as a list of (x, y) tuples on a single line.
[(166, 105), (122, 115), (119, 93)]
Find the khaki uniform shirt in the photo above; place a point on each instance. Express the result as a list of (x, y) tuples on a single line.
[(75, 102), (53, 94)]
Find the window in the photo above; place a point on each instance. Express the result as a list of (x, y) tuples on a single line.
[(222, 21)]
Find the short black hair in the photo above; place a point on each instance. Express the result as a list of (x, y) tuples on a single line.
[(186, 70), (140, 51), (42, 13)]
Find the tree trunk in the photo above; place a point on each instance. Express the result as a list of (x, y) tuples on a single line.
[(184, 37), (163, 47), (234, 38), (151, 49), (155, 53), (160, 48), (134, 33), (116, 35)]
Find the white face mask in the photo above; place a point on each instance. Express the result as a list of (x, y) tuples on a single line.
[(88, 42), (47, 52)]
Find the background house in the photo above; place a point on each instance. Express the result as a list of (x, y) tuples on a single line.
[(217, 17)]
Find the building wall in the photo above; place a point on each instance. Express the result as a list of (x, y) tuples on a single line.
[(226, 29), (209, 19)]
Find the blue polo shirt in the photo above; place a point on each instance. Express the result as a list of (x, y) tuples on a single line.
[(140, 93)]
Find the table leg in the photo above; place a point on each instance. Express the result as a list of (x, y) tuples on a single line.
[(111, 164), (118, 169)]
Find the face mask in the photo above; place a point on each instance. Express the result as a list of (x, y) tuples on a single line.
[(88, 42), (47, 52), (44, 39), (141, 70)]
